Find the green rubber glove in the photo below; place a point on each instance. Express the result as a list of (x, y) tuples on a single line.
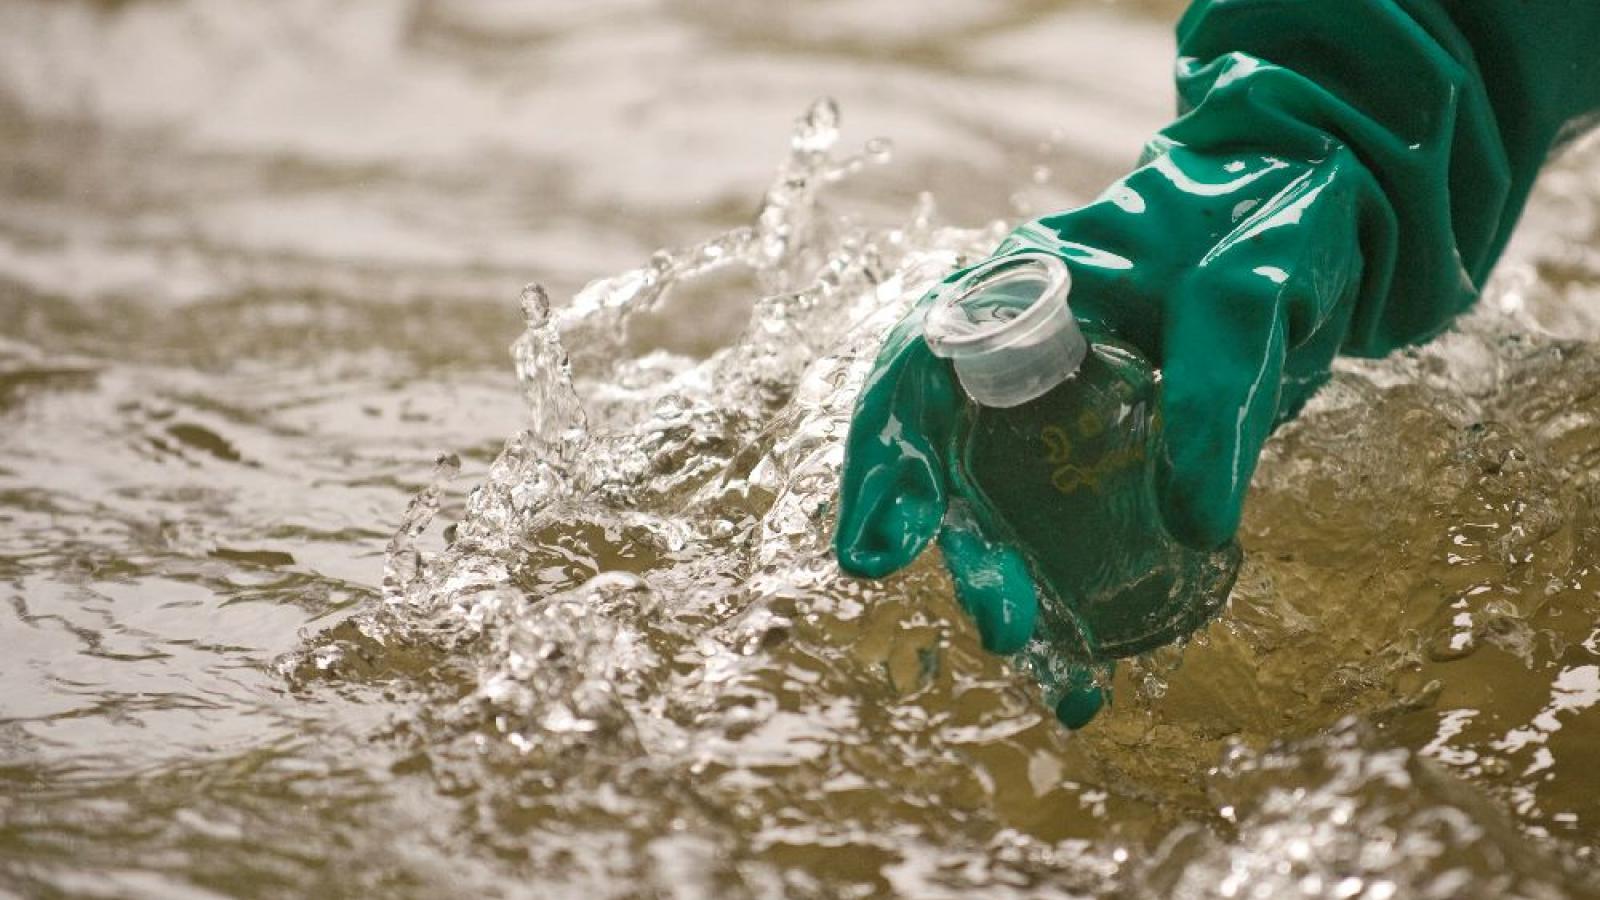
[(1342, 178)]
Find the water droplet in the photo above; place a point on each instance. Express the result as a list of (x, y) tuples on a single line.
[(818, 130), (535, 305)]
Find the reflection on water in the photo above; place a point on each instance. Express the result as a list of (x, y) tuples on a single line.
[(257, 268)]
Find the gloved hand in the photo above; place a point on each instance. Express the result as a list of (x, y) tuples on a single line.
[(1354, 201), (1231, 273)]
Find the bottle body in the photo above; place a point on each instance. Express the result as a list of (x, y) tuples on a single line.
[(1071, 475)]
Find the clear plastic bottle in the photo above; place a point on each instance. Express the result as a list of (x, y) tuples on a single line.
[(1060, 445)]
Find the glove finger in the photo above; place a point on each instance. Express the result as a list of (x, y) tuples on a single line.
[(992, 582), (1082, 700), (1286, 277), (892, 492), (1224, 347)]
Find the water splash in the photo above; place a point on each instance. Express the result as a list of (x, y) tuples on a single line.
[(402, 560)]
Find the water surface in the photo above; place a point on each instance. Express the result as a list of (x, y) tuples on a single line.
[(259, 268)]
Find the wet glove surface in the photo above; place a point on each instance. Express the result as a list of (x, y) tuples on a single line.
[(1274, 260), (1338, 181)]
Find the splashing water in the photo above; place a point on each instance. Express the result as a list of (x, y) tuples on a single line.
[(640, 595), (635, 668)]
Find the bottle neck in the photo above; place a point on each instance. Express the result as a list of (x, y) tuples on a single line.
[(1005, 326)]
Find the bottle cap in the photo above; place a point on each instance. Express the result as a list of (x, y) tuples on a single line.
[(1006, 327)]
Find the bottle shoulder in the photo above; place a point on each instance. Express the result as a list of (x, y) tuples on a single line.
[(1114, 370)]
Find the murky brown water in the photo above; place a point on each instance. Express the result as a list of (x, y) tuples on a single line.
[(259, 265)]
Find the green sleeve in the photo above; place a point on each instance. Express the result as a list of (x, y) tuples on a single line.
[(1453, 106)]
